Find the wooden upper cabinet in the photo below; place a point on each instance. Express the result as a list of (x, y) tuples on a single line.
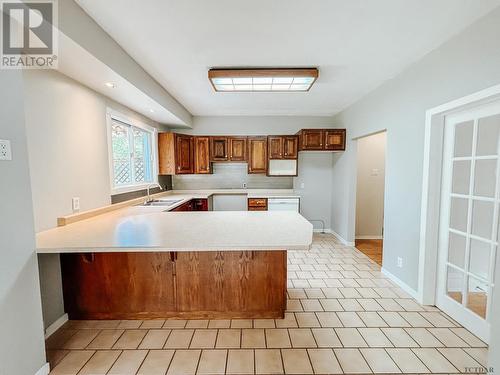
[(283, 146), (322, 139), (202, 155), (312, 139), (237, 148), (175, 153), (275, 147), (290, 147), (257, 155), (335, 139), (219, 148), (184, 151)]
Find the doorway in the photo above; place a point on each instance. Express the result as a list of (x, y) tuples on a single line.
[(370, 190), (468, 222)]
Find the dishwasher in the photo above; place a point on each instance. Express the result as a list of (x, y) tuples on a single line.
[(283, 204)]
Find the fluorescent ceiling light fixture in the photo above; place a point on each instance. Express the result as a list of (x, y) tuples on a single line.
[(261, 79)]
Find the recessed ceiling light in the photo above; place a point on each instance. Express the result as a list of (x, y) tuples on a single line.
[(262, 79), (151, 110), (110, 85)]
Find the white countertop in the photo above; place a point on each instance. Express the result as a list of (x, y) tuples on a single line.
[(187, 195), (138, 228)]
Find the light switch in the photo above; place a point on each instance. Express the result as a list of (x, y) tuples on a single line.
[(76, 204), (5, 150)]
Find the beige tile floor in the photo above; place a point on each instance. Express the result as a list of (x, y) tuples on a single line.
[(343, 316)]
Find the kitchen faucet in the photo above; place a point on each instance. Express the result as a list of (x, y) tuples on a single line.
[(149, 187)]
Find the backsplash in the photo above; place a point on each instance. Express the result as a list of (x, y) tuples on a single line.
[(230, 176)]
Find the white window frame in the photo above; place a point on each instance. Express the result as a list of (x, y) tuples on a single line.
[(114, 115)]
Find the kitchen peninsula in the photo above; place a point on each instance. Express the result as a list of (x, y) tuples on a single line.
[(145, 262)]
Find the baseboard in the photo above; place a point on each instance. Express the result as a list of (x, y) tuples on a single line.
[(318, 230), (331, 231), (56, 325), (341, 239), (412, 292), (370, 237), (44, 370)]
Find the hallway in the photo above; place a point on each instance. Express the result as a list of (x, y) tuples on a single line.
[(372, 249)]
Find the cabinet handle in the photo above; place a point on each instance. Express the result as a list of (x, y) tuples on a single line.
[(88, 258)]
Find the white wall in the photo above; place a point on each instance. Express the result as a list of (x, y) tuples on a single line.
[(315, 173), (370, 186), (21, 329), (68, 156), (67, 143), (465, 64), (315, 168), (255, 125)]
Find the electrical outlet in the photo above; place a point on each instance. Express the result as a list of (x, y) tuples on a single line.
[(76, 203), (5, 150), (244, 185), (400, 262), (302, 185)]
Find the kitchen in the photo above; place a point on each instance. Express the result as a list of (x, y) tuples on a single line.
[(92, 274), (180, 199)]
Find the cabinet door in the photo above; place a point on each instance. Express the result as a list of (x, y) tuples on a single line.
[(238, 149), (188, 206), (335, 139), (199, 281), (275, 147), (231, 282), (218, 148), (202, 155), (184, 154), (290, 147), (98, 285), (200, 204), (257, 155), (255, 281), (312, 139)]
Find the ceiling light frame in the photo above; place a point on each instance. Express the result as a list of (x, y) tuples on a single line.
[(227, 75)]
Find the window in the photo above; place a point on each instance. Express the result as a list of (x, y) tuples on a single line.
[(132, 155)]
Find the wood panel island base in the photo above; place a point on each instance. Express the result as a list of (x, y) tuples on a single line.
[(183, 284)]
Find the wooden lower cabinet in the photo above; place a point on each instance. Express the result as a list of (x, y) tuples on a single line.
[(118, 285), (207, 284), (257, 204), (235, 284)]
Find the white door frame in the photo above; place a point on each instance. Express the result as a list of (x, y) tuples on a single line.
[(431, 188)]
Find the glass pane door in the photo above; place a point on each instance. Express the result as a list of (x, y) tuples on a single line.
[(469, 216)]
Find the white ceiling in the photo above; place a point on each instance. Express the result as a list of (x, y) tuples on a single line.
[(356, 44)]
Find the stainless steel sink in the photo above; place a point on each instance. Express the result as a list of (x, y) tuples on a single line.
[(161, 202)]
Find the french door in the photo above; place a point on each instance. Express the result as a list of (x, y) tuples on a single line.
[(469, 225)]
